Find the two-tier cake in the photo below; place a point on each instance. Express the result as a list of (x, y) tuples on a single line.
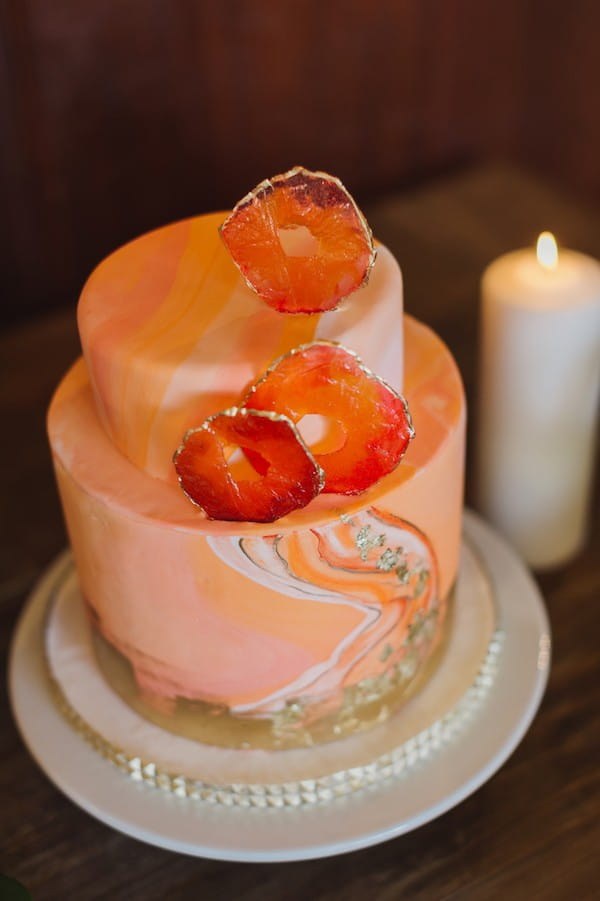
[(240, 633)]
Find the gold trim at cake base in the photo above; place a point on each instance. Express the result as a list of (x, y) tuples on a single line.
[(301, 722), (261, 779)]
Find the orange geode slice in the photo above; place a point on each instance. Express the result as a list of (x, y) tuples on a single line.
[(325, 379), (300, 241), (292, 477)]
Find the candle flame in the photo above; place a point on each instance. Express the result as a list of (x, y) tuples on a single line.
[(547, 251)]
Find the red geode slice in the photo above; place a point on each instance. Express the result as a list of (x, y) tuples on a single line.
[(325, 379), (291, 477), (300, 241)]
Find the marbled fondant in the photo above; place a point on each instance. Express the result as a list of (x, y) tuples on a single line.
[(254, 619), (171, 334)]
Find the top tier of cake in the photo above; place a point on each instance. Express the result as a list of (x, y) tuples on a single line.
[(171, 334)]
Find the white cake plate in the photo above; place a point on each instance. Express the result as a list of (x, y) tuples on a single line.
[(387, 809)]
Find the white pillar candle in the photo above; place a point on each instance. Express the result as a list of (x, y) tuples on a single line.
[(538, 402)]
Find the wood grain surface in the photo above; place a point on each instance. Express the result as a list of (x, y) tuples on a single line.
[(531, 832), (120, 115)]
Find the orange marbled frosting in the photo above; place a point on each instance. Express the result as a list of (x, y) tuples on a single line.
[(247, 616), (171, 334)]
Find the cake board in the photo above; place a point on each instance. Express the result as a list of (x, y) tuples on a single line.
[(375, 804)]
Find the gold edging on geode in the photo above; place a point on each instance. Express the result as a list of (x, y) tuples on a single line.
[(231, 412), (372, 376), (270, 184)]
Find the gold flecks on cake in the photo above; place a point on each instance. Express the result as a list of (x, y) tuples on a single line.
[(366, 541), (390, 559)]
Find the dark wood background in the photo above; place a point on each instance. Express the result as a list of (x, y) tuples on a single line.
[(120, 115)]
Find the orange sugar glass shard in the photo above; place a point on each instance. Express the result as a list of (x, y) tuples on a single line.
[(325, 379), (292, 477), (300, 241)]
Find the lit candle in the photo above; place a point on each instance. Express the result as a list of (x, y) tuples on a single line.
[(538, 402)]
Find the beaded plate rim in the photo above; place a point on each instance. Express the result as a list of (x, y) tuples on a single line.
[(394, 764)]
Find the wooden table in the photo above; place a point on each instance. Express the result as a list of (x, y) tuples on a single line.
[(533, 831)]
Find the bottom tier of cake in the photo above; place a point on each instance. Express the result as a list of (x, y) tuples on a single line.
[(251, 636)]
